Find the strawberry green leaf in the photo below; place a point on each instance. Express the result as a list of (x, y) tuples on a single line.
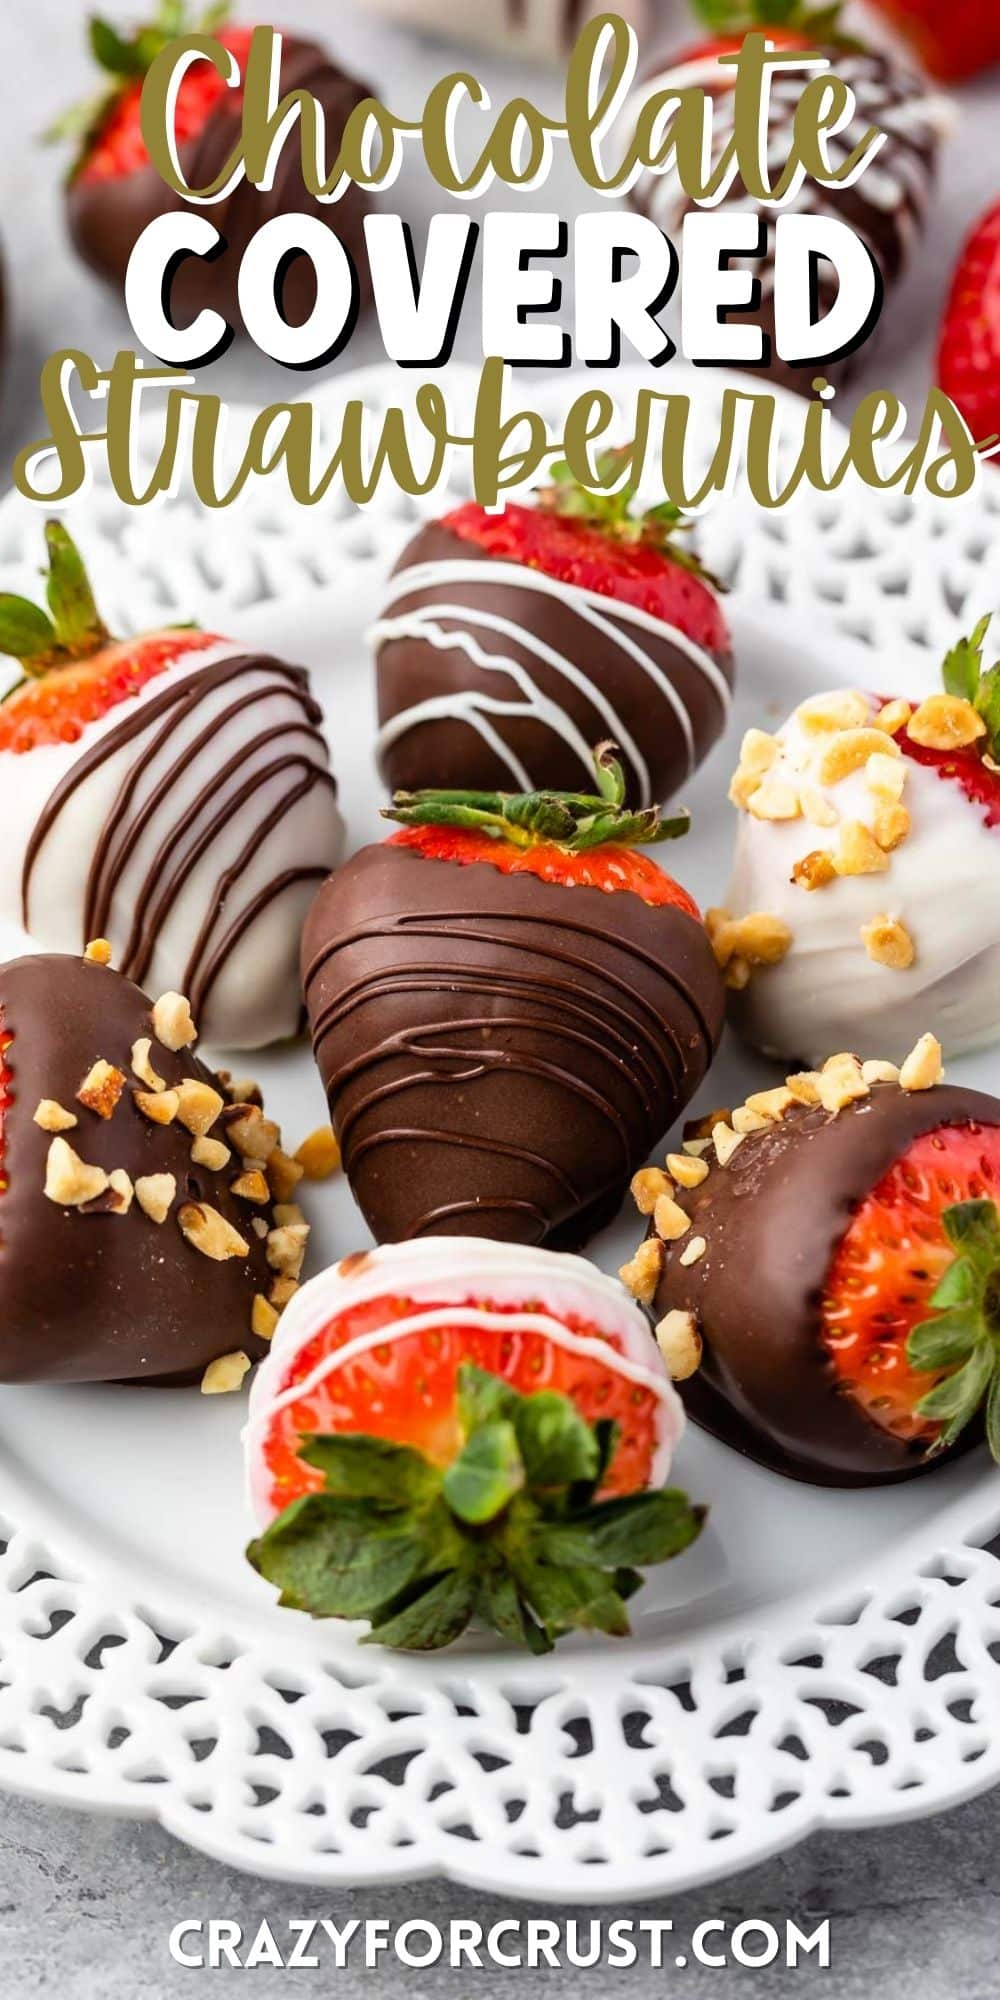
[(963, 665), (956, 1400), (336, 1559), (938, 1343), (483, 1398), (574, 820), (987, 703), (973, 1228), (26, 634), (499, 1605), (371, 1468), (118, 57), (557, 1445), (481, 1482), (436, 1616), (957, 1287), (644, 1528), (993, 1417), (78, 623)]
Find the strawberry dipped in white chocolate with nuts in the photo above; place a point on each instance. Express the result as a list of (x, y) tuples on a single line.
[(865, 896), (170, 792)]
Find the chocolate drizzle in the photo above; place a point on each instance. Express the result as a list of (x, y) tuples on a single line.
[(194, 811), (499, 1052)]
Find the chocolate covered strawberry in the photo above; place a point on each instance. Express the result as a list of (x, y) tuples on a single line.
[(822, 1266), (139, 1236), (867, 852), (886, 206), (448, 1432), (169, 792), (114, 191), (969, 350), (510, 643)]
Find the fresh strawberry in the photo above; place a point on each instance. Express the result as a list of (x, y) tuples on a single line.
[(432, 1460), (108, 127), (953, 38), (969, 348), (75, 673), (896, 1263), (610, 868)]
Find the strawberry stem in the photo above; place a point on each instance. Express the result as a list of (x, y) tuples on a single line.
[(71, 630), (964, 1337), (611, 511), (511, 1532), (126, 61), (734, 17), (576, 821)]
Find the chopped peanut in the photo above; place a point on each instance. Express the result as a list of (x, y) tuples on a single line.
[(155, 1194), (669, 1219), (758, 751), (946, 722), (814, 870), (243, 1090), (892, 824), (923, 1067), (52, 1118), (880, 1072), (718, 924), (771, 1103), (225, 1376), (759, 938), (121, 1187), (98, 952), (687, 1172), (209, 1232), (263, 1317), (210, 1153), (248, 1131), (804, 1086), (159, 1106), (893, 717), (319, 1154), (693, 1252), (725, 1140), (281, 1290), (886, 776), (198, 1106), (679, 1342), (745, 1121), (172, 1022), (647, 1187), (858, 851), (286, 1249), (852, 749), (69, 1180), (816, 807), (251, 1185), (287, 1211), (696, 1147), (775, 799), (641, 1274), (101, 1089), (737, 974), (888, 942), (845, 710), (283, 1173), (142, 1066), (841, 1082)]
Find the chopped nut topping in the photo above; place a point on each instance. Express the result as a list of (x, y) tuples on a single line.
[(923, 1067), (260, 1227), (841, 1082), (893, 717), (319, 1154), (209, 1232), (198, 1106), (68, 1179), (745, 1121), (737, 974), (225, 1376), (679, 1342), (251, 1185), (858, 852), (287, 1211), (888, 942), (101, 1089), (772, 1104), (263, 1317), (775, 799), (687, 1172), (742, 786), (159, 1106), (52, 1118), (210, 1153), (98, 952), (249, 1132), (281, 1290), (701, 1129), (647, 1187), (814, 870), (286, 1249), (758, 751), (155, 1194), (816, 807), (694, 1251), (172, 1022), (696, 1147), (946, 722), (886, 776), (669, 1219), (283, 1173), (121, 1187), (142, 1066), (804, 1086), (846, 709), (242, 1089), (725, 1140), (852, 749), (761, 939), (892, 824), (641, 1274), (880, 1072)]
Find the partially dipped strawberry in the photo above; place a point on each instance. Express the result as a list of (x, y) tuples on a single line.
[(509, 1005), (831, 1249), (508, 644), (169, 792), (449, 1432), (114, 192), (969, 346)]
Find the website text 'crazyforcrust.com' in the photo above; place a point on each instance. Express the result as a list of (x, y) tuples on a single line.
[(614, 1943)]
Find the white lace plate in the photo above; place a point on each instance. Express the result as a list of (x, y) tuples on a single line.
[(818, 1659)]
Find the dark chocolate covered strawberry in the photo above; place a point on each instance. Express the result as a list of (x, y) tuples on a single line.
[(510, 643), (823, 1269), (886, 206), (114, 191), (509, 1005), (138, 1235), (449, 1431)]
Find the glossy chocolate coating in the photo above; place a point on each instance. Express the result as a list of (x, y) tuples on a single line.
[(106, 217), (105, 1297), (500, 1052), (772, 1220), (616, 688)]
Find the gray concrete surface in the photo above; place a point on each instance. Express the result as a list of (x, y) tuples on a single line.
[(86, 1904)]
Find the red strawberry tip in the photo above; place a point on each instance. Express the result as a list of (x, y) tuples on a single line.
[(126, 60), (575, 822), (611, 512)]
